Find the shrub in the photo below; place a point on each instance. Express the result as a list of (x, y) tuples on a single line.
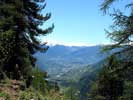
[(39, 83), (30, 94), (5, 96)]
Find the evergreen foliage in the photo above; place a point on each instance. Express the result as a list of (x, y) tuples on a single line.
[(19, 28), (108, 85), (38, 82), (115, 80), (122, 28)]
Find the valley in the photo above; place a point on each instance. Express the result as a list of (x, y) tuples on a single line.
[(72, 66), (60, 61)]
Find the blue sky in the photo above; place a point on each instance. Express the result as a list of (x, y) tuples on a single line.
[(77, 22)]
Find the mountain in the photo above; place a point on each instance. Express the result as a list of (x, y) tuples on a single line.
[(73, 66), (60, 60)]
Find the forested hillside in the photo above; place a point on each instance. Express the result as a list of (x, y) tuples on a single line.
[(60, 60), (115, 80), (20, 78), (30, 69)]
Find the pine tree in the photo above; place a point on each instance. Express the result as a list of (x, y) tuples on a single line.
[(117, 73), (115, 78), (122, 28), (122, 36), (109, 84), (19, 28)]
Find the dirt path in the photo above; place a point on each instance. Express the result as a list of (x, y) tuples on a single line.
[(12, 88)]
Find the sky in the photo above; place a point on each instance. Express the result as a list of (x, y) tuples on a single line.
[(77, 22)]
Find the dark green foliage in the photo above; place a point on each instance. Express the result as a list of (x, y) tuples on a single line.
[(115, 80), (128, 91), (71, 93), (122, 28), (39, 82), (108, 85), (106, 5), (19, 27)]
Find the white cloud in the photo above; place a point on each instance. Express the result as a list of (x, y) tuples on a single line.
[(54, 42)]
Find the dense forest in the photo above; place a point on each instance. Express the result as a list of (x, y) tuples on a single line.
[(21, 78)]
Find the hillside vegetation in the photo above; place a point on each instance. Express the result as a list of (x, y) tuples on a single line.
[(71, 73)]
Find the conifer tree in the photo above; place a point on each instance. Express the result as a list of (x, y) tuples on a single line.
[(121, 35), (19, 28), (122, 28), (117, 73), (109, 84)]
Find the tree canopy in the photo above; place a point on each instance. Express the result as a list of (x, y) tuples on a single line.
[(19, 28), (115, 79)]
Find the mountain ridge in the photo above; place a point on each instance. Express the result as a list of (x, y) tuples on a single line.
[(60, 59)]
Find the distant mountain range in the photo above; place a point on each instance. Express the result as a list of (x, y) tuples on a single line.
[(70, 65), (59, 60)]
